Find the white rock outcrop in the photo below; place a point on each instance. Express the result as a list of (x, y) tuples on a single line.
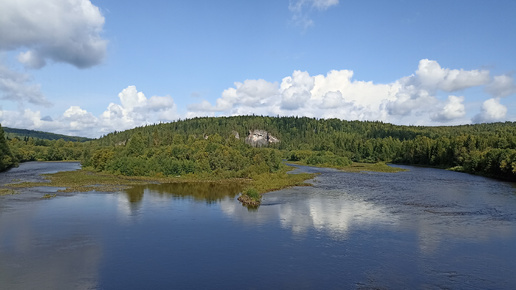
[(259, 138)]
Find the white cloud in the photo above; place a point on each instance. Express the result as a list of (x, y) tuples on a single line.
[(18, 87), (136, 110), (332, 100), (250, 93), (133, 110), (432, 77), (301, 9), (410, 100), (78, 119), (453, 109), (491, 111), (66, 31), (31, 59), (296, 90), (502, 86), (414, 99)]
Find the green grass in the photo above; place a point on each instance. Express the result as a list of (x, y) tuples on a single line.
[(88, 180), (84, 180), (267, 182), (358, 167), (250, 197), (373, 167)]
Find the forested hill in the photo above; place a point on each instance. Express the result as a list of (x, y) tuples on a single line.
[(487, 149), (215, 145), (21, 134)]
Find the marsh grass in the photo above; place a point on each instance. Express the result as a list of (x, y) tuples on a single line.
[(87, 180), (358, 167), (266, 182), (84, 180), (372, 167), (275, 181)]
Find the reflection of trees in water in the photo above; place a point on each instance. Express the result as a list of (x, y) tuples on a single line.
[(200, 191), (135, 194)]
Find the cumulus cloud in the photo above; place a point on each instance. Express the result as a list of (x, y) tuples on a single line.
[(79, 119), (502, 86), (414, 99), (409, 100), (491, 111), (416, 94), (432, 77), (296, 90), (453, 109), (301, 9), (250, 93), (18, 87), (134, 109), (66, 31)]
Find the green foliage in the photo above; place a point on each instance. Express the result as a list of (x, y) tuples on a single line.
[(6, 157), (24, 133), (208, 146), (327, 158), (330, 142), (253, 194)]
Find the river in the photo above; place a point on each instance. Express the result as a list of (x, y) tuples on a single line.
[(420, 229)]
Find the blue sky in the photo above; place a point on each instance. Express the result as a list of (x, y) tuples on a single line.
[(88, 68)]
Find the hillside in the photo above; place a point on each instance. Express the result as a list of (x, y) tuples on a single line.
[(486, 149), (243, 146), (24, 133)]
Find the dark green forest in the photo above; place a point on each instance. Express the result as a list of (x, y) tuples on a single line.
[(11, 133), (216, 146)]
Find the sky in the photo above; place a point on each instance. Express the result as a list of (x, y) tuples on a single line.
[(88, 68)]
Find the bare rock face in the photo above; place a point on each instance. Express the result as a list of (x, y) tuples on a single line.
[(259, 138)]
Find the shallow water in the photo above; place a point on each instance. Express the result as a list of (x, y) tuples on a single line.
[(425, 228)]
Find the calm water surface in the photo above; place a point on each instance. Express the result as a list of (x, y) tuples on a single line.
[(421, 229)]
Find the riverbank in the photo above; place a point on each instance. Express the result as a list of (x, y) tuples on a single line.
[(357, 167)]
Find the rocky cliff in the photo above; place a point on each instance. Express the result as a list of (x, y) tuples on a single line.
[(259, 138)]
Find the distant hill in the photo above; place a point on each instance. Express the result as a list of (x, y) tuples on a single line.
[(22, 133)]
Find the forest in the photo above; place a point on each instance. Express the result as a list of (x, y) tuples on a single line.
[(216, 146)]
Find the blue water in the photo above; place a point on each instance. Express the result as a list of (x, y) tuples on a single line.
[(421, 229)]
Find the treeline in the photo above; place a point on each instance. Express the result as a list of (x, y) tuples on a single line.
[(216, 146), (31, 149), (487, 149), (11, 133), (6, 157)]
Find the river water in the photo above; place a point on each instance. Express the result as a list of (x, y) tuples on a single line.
[(420, 229)]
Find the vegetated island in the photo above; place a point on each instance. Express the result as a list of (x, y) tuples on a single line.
[(250, 149)]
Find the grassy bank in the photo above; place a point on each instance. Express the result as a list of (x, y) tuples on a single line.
[(371, 167), (358, 167)]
